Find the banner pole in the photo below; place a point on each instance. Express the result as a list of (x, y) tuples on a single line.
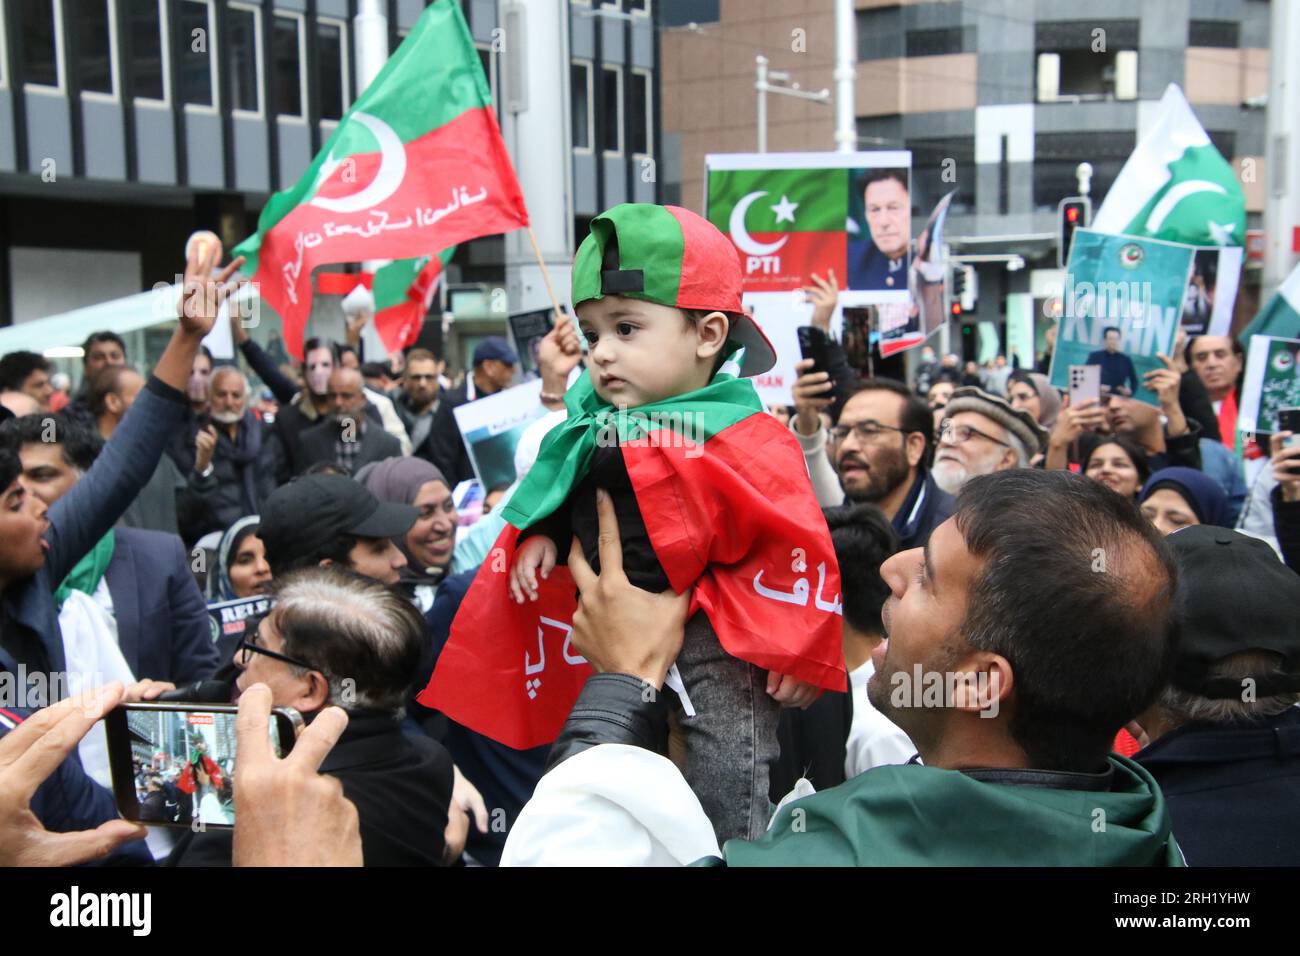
[(546, 276)]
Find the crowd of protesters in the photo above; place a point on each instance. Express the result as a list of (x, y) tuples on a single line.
[(1114, 585)]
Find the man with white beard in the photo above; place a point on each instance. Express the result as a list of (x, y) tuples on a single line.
[(236, 455), (981, 434)]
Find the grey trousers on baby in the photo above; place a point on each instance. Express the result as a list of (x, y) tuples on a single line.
[(726, 750)]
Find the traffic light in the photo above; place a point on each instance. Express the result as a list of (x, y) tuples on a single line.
[(964, 289), (1073, 213)]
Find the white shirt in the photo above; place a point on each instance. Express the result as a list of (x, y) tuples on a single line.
[(874, 739)]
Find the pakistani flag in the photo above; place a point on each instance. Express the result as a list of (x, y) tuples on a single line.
[(416, 164), (786, 223), (1176, 185), (1281, 316), (403, 291)]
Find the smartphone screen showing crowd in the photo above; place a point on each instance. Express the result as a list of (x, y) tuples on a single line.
[(174, 764)]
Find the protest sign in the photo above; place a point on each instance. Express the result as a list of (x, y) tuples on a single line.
[(1134, 285), (1272, 381), (793, 214), (230, 619), (907, 325), (491, 428)]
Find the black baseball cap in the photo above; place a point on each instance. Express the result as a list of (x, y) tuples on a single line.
[(1235, 596), (313, 510)]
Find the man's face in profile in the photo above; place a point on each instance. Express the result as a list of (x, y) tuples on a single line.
[(889, 216)]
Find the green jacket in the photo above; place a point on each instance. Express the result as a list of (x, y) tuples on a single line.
[(911, 815)]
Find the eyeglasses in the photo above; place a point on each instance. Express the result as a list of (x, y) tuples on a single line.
[(249, 646), (959, 434), (864, 431)]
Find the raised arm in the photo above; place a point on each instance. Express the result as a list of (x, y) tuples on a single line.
[(81, 517)]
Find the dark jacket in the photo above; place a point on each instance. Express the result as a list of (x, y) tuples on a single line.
[(410, 420), (504, 776), (1117, 369), (925, 508), (162, 621), (317, 444), (400, 784), (29, 627), (1286, 525), (244, 471), (1232, 789), (446, 446), (813, 742)]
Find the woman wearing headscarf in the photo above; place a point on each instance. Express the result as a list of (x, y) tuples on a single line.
[(430, 543), (1034, 393), (1175, 498), (242, 570)]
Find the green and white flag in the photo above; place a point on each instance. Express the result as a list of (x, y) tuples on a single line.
[(1281, 315), (1176, 185), (1272, 381)]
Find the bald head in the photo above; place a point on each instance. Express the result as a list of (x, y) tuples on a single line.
[(346, 392)]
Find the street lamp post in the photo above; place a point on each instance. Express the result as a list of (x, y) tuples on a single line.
[(768, 81)]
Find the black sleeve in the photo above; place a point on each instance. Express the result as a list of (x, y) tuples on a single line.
[(842, 377), (558, 526), (613, 709), (266, 369), (1185, 450), (1195, 403), (1286, 525)]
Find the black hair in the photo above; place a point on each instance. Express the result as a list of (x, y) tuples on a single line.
[(95, 338), (79, 445), (320, 342), (1077, 592), (17, 366), (1109, 329), (324, 468), (880, 175), (106, 383), (1135, 453), (207, 353), (344, 350), (915, 416), (10, 468), (1237, 350), (376, 370), (246, 531), (864, 540), (335, 550)]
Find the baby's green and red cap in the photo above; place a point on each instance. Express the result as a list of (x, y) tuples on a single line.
[(673, 257)]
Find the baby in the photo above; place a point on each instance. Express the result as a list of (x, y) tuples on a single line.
[(657, 295)]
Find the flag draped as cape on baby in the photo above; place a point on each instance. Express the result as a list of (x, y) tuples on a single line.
[(729, 509)]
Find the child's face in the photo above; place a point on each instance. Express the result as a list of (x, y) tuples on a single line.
[(641, 352)]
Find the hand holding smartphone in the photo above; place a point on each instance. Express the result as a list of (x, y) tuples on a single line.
[(814, 344), (1288, 420), (173, 764)]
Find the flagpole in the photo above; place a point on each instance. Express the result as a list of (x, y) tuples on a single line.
[(546, 276)]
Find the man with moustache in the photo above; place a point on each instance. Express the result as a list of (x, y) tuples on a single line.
[(348, 438), (980, 434), (878, 454), (236, 456), (1041, 659)]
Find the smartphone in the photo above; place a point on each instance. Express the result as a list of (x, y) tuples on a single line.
[(173, 764), (813, 344), (1288, 420), (1085, 383)]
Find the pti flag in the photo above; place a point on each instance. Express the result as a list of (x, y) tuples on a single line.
[(786, 223), (403, 291), (791, 215), (728, 510), (416, 164), (1176, 185)]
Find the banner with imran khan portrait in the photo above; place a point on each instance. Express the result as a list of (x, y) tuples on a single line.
[(795, 215), (1134, 285)]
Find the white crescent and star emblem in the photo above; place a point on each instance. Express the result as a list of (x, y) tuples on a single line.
[(743, 240), (1174, 196), (392, 169)]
